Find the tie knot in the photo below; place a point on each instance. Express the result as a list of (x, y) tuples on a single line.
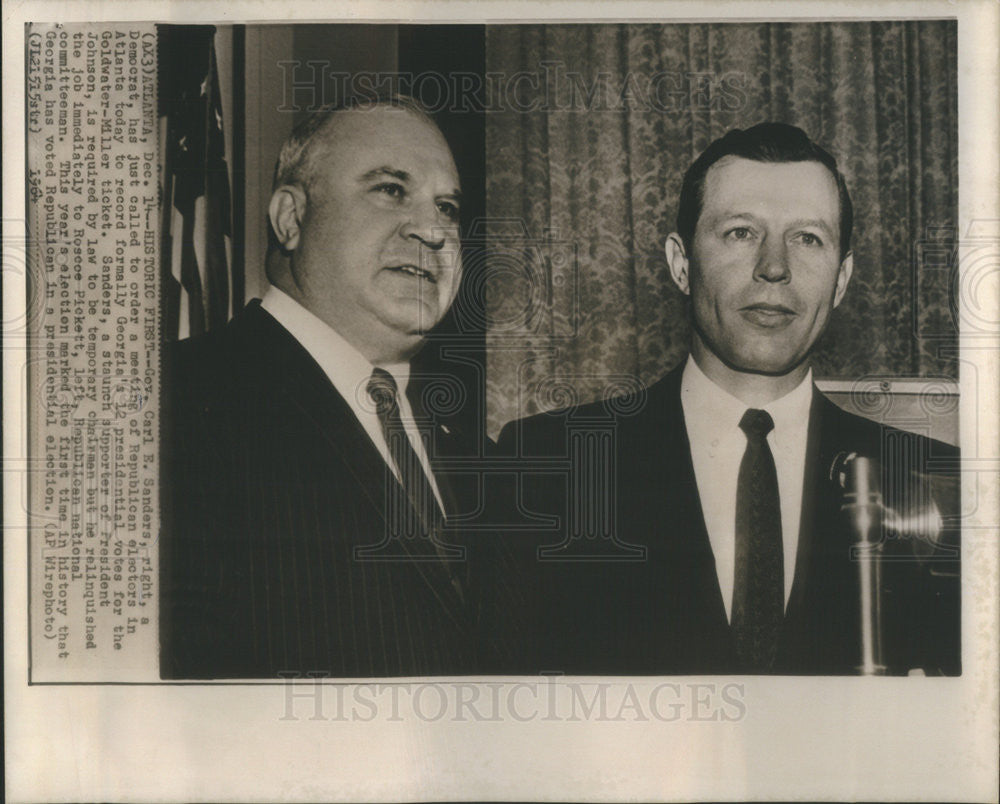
[(756, 423), (382, 390)]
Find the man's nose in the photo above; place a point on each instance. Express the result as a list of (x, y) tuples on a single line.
[(424, 224), (772, 262)]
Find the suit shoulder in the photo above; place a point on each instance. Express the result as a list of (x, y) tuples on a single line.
[(217, 348), (541, 431), (219, 357)]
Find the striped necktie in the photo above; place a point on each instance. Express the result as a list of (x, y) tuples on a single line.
[(383, 391)]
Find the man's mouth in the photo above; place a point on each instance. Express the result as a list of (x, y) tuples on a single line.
[(768, 315), (414, 270)]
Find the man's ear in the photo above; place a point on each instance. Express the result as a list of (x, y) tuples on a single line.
[(677, 261), (843, 277), (286, 211)]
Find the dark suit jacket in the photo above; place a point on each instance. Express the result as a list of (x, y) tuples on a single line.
[(271, 486), (661, 611)]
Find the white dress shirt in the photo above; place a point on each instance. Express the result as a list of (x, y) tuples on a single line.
[(712, 418), (350, 371)]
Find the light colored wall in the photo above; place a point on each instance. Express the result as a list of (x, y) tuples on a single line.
[(277, 56), (928, 407)]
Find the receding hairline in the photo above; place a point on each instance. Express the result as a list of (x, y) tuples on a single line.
[(298, 152), (341, 116)]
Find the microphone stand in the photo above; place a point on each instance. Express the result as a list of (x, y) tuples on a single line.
[(860, 479)]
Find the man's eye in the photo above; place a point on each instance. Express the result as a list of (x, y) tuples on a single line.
[(449, 210), (739, 233), (809, 239), (391, 189)]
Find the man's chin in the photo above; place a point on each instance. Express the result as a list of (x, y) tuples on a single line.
[(764, 365), (762, 356), (414, 315)]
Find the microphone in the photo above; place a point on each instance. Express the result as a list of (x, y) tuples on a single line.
[(859, 478), (908, 525), (915, 519)]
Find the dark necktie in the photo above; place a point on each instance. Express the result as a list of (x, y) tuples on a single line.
[(759, 588), (383, 391)]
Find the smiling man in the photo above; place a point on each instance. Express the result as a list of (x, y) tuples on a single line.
[(304, 519), (733, 554)]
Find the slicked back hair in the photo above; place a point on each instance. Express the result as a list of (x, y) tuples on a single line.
[(765, 142)]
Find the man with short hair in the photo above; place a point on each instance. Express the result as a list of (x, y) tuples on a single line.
[(304, 519), (720, 474)]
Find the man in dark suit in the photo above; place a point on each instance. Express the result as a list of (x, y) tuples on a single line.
[(305, 517), (703, 527)]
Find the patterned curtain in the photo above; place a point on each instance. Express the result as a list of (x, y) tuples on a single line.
[(589, 131)]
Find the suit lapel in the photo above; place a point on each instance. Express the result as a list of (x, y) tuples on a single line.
[(682, 557), (440, 444), (308, 390), (691, 514), (814, 508), (444, 443), (819, 618)]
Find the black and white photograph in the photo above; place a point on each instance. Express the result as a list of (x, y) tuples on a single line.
[(304, 536), (543, 404)]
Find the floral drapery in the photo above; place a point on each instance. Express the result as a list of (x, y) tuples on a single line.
[(589, 131)]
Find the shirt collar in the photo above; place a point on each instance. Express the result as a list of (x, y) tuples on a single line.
[(791, 412), (707, 406), (347, 368)]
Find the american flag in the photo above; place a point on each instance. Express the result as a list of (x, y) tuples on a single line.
[(203, 289)]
